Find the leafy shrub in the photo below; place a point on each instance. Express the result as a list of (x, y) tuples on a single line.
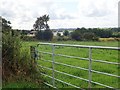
[(39, 35), (28, 38), (10, 54), (60, 38), (76, 36), (46, 35), (90, 36), (16, 60), (17, 64), (63, 38), (66, 38)]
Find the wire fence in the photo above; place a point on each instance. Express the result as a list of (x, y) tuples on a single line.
[(89, 69)]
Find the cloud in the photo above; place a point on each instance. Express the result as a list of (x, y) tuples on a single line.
[(94, 11), (60, 16), (63, 13), (98, 13), (97, 8)]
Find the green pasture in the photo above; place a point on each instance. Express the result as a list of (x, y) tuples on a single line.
[(97, 54)]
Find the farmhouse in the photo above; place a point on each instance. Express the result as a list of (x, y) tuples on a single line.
[(61, 31), (55, 32), (32, 33)]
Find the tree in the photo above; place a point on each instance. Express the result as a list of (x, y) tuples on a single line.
[(81, 30), (41, 23), (66, 33), (46, 19), (103, 33), (6, 25)]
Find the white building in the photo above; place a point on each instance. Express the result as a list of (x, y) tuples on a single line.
[(32, 33), (55, 33)]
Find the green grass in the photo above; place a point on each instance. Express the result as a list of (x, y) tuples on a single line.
[(21, 85), (98, 54), (95, 43)]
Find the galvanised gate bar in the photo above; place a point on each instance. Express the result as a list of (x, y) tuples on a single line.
[(90, 70)]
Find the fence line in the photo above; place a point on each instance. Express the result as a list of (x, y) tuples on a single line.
[(89, 80), (81, 46), (87, 59), (82, 68)]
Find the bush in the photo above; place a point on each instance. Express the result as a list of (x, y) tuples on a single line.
[(10, 54), (39, 35), (76, 36), (83, 35), (62, 38), (17, 64), (16, 60), (46, 35), (90, 36), (54, 39), (66, 38), (27, 38)]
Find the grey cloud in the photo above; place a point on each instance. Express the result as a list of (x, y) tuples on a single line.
[(66, 17), (98, 13), (7, 13), (12, 10), (25, 19), (53, 10), (96, 10), (63, 16)]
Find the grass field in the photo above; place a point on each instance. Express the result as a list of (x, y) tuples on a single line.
[(98, 54)]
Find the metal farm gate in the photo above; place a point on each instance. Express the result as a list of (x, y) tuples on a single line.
[(89, 69)]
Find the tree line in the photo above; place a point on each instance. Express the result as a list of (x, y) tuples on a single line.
[(95, 33), (44, 33)]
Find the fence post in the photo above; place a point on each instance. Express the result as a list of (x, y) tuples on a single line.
[(90, 67), (53, 80), (33, 55)]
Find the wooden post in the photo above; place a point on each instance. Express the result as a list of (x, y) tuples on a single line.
[(33, 55)]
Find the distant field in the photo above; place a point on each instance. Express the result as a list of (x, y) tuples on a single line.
[(96, 43), (98, 54)]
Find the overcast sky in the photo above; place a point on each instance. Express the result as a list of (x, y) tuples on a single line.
[(63, 13)]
